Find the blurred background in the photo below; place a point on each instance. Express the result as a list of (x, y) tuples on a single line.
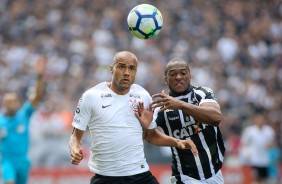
[(233, 46)]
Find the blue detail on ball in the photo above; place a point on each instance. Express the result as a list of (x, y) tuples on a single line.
[(140, 17)]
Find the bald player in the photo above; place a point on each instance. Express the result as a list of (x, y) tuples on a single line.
[(114, 111)]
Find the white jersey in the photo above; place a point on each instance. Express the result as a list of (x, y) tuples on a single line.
[(257, 143), (117, 142)]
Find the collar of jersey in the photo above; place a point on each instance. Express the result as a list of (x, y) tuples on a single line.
[(174, 94)]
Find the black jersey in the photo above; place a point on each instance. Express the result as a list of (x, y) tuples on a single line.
[(207, 138)]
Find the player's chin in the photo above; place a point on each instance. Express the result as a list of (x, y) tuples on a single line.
[(179, 88), (125, 85)]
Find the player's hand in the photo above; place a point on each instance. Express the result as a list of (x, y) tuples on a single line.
[(76, 154), (40, 65), (165, 102), (144, 116), (187, 144)]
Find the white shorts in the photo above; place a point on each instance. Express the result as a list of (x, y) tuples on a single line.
[(216, 179)]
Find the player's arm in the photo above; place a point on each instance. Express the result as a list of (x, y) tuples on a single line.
[(206, 112), (38, 90), (154, 136), (75, 146), (80, 122)]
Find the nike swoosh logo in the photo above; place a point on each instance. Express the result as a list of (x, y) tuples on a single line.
[(104, 106)]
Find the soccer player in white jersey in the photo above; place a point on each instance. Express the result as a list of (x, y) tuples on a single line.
[(256, 141), (114, 112), (191, 113)]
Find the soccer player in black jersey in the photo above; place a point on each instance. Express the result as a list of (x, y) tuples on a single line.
[(190, 112)]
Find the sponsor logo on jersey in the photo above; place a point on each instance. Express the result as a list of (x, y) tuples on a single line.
[(104, 95), (187, 131), (76, 120), (104, 106), (134, 95), (173, 118)]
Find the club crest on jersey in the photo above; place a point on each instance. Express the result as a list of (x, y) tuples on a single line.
[(134, 105)]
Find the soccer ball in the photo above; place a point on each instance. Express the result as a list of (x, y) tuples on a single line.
[(145, 21)]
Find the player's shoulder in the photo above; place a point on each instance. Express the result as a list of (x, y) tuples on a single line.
[(203, 89), (137, 86), (139, 89), (95, 91), (268, 128), (250, 129)]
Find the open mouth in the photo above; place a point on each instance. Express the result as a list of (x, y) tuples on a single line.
[(125, 80), (178, 84)]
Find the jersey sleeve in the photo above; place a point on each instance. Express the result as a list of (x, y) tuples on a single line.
[(27, 109), (159, 117), (205, 94), (83, 113)]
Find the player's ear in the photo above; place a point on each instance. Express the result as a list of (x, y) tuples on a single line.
[(165, 79), (111, 69)]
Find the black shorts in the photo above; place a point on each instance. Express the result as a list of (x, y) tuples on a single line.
[(142, 178), (261, 172)]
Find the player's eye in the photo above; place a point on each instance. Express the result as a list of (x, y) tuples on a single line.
[(172, 74), (132, 68)]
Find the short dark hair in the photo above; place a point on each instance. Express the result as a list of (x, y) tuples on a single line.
[(174, 61)]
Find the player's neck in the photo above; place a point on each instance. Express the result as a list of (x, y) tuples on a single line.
[(175, 94), (9, 113), (115, 89)]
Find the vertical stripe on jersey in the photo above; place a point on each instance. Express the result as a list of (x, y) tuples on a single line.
[(200, 168), (206, 147), (173, 148), (214, 149), (197, 159), (182, 118), (203, 158), (218, 146)]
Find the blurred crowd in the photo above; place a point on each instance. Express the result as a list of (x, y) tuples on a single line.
[(233, 46)]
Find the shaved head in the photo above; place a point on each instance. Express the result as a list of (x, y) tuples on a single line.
[(124, 56)]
